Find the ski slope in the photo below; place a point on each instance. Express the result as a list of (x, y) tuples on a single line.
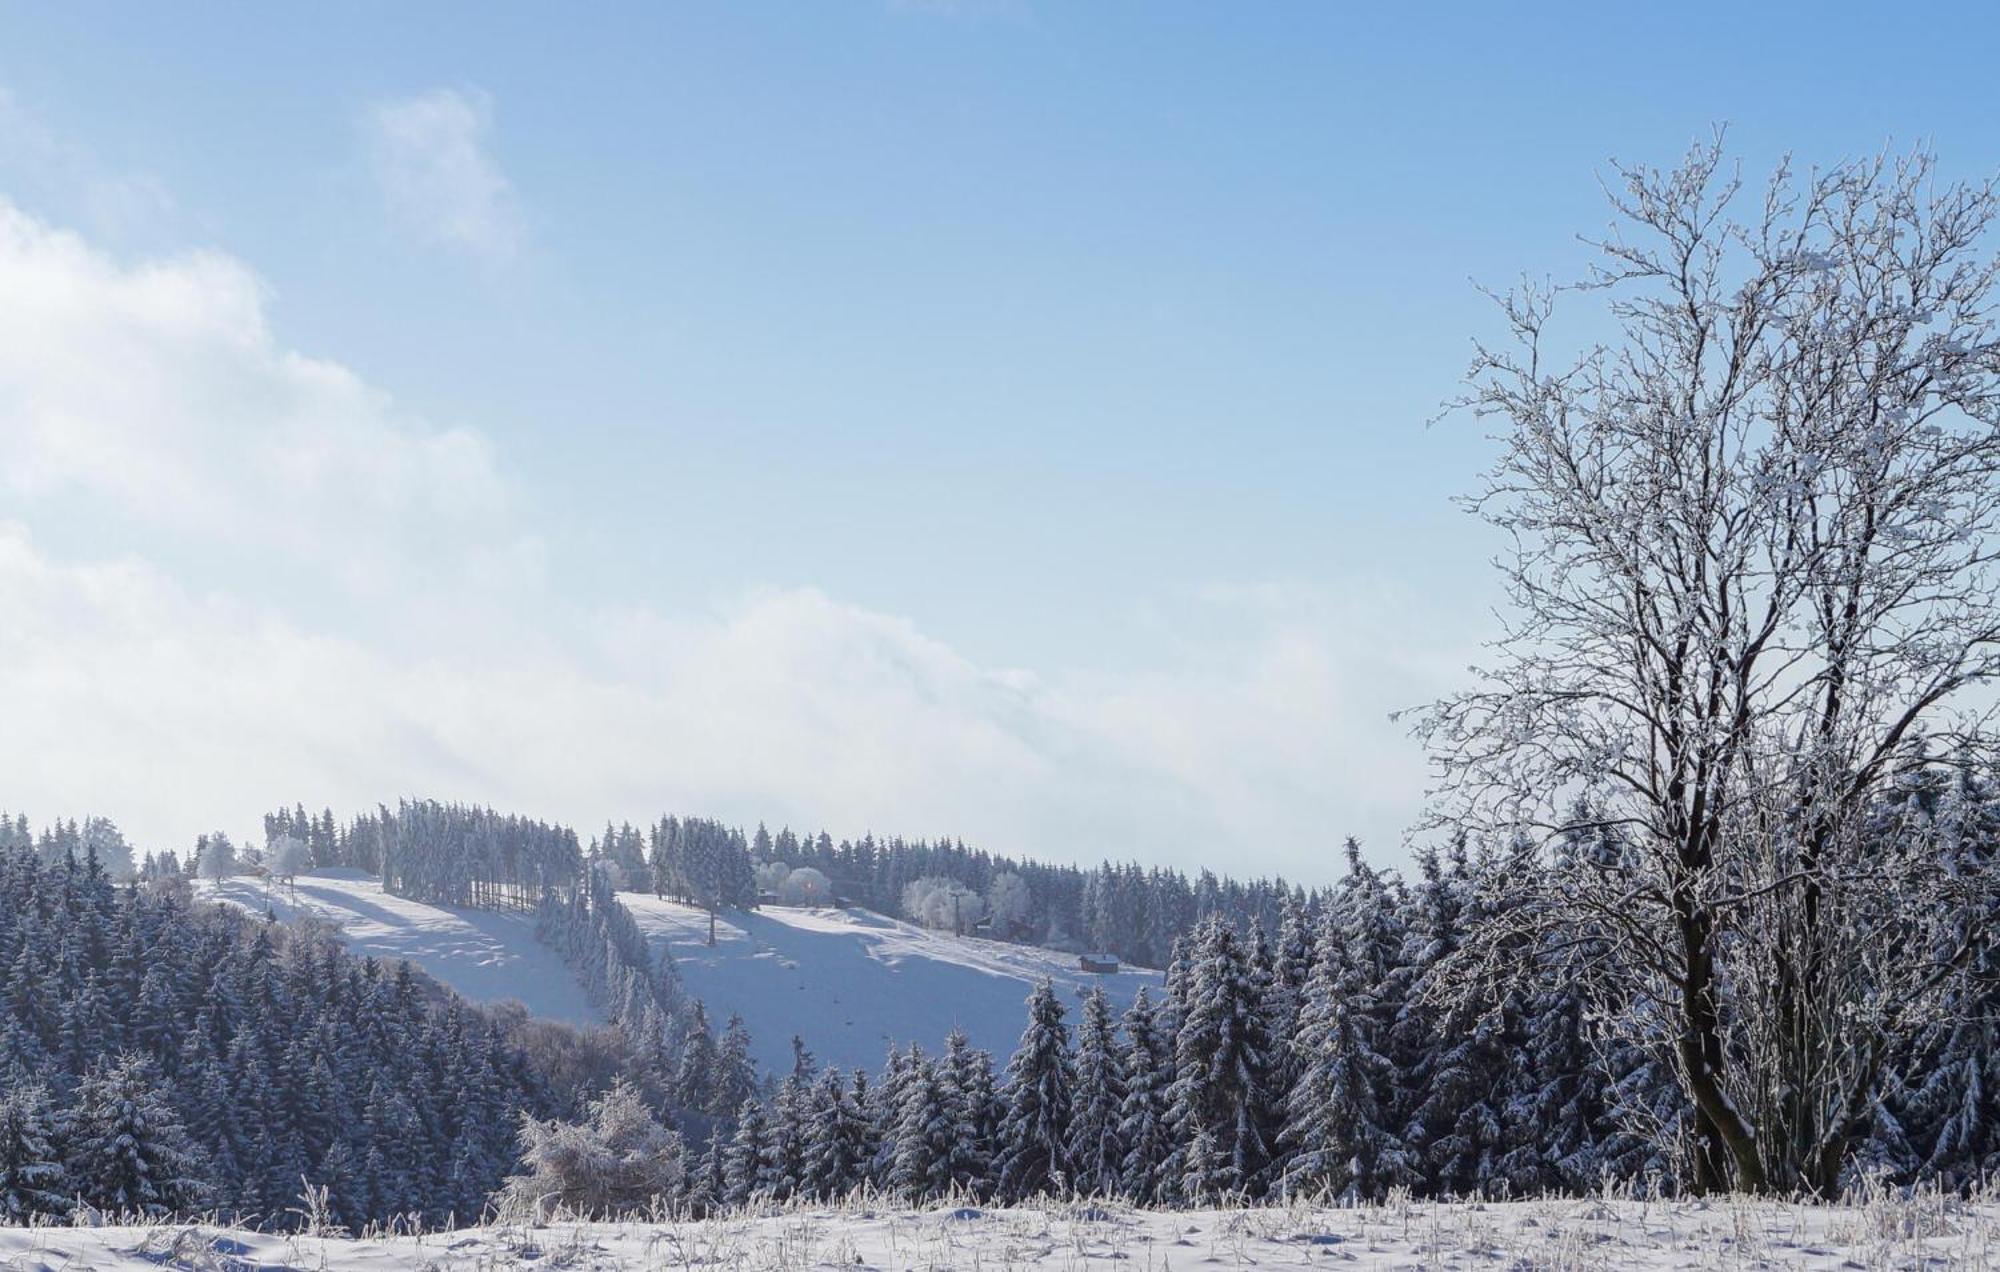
[(851, 982), (486, 957)]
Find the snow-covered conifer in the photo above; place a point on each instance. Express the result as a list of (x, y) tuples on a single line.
[(1096, 1136), (1341, 1128), (1143, 1127), (924, 1135), (1220, 1067), (735, 1074), (1040, 1096), (744, 1162), (32, 1181), (127, 1151), (969, 1091), (837, 1141)]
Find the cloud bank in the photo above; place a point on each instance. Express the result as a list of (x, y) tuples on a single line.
[(234, 575)]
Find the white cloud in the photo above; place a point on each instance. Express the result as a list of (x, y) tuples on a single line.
[(432, 157), (37, 157), (291, 590), (154, 394)]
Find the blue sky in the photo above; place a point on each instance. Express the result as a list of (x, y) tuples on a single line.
[(990, 417)]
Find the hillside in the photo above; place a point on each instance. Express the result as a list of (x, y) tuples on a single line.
[(851, 982), (485, 956)]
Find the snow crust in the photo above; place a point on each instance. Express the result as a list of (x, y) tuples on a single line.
[(485, 956), (851, 982), (1726, 1233)]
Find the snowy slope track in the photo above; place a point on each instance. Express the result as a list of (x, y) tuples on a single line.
[(851, 982), (485, 956)]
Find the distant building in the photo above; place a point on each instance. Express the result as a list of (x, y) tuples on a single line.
[(999, 929), (846, 886), (1102, 964)]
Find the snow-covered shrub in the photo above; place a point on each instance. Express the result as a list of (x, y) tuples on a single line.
[(619, 1161), (771, 876), (806, 886)]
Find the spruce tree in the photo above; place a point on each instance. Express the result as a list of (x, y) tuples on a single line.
[(1454, 1090), (1040, 1094), (974, 1107), (790, 1122), (695, 1084), (1340, 1128), (836, 1139), (1290, 964), (1220, 1069), (924, 1135), (1142, 1124), (127, 1150), (1097, 1145), (32, 1181), (744, 1162), (708, 1183), (735, 1073), (885, 1110)]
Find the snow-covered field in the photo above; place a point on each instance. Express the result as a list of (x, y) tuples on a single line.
[(851, 982), (485, 956), (1925, 1232)]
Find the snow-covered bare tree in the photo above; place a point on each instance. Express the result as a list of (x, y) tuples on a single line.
[(1750, 559), (104, 841), (944, 904), (288, 858), (1009, 900), (215, 856), (771, 876)]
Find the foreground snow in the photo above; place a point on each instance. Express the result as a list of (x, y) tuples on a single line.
[(852, 982), (1886, 1233), (485, 956)]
